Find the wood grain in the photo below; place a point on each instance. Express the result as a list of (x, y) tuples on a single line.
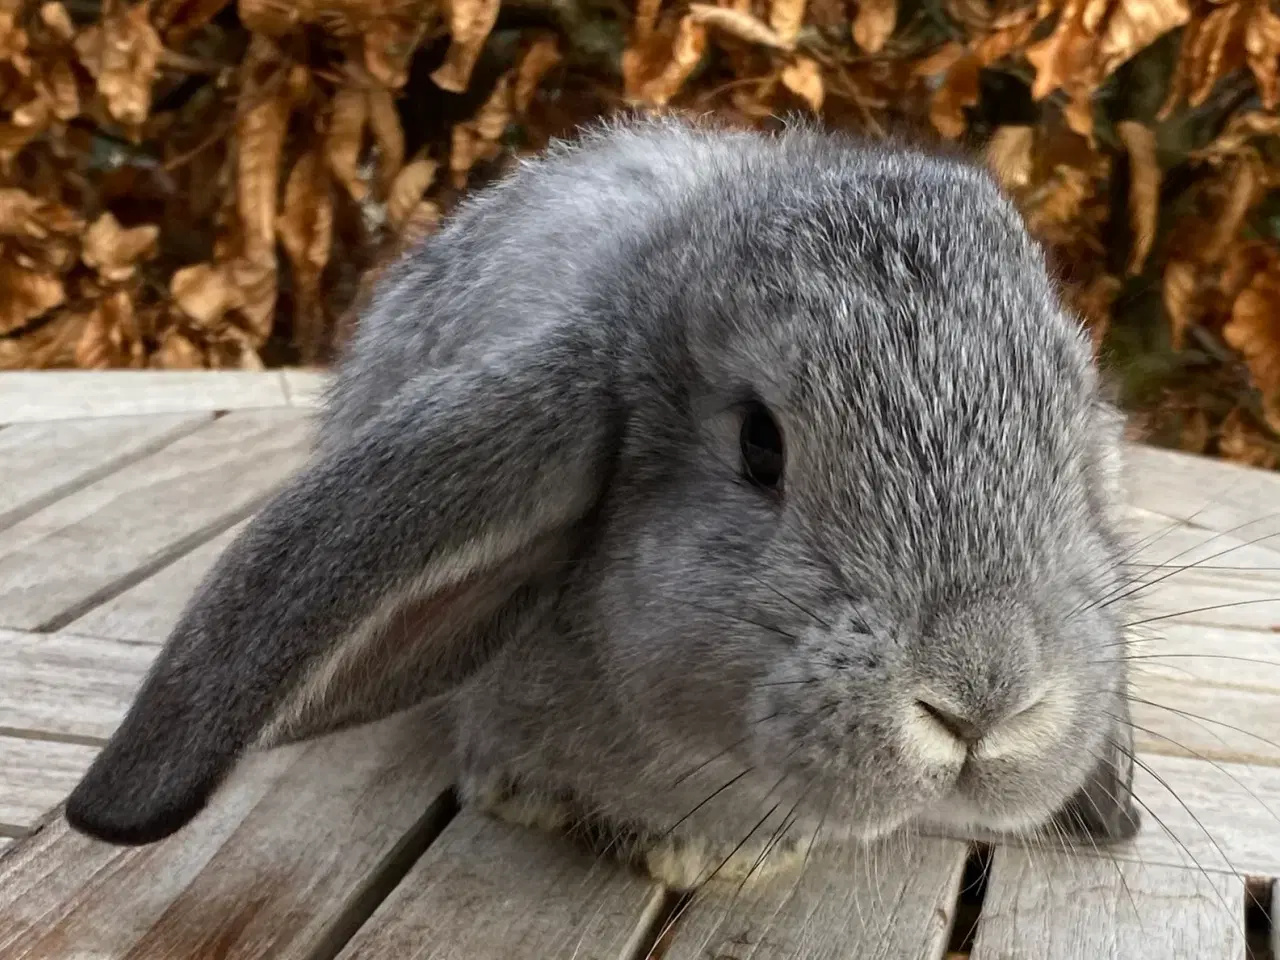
[(1201, 719), (305, 388), (1248, 659), (41, 462), (283, 865), (46, 395), (1043, 906), (490, 890), (35, 776), (75, 552), (893, 901), (147, 612), (1208, 493), (71, 687)]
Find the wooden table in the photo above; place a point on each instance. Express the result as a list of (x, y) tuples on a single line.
[(118, 490)]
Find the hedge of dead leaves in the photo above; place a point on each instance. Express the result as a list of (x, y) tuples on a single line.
[(201, 183)]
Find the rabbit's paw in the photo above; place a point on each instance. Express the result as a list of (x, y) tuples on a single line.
[(683, 863), (516, 803)]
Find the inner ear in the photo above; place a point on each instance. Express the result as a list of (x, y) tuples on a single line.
[(398, 659)]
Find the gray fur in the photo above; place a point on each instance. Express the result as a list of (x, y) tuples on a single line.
[(648, 648)]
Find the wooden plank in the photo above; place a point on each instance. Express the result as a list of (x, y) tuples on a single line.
[(83, 549), (1214, 598), (70, 687), (40, 462), (487, 890), (305, 387), (1198, 719), (1154, 539), (1209, 493), (35, 776), (1226, 657), (286, 862), (147, 612), (1219, 817), (45, 395), (889, 901), (1051, 906)]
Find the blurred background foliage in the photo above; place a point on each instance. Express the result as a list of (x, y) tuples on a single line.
[(207, 183)]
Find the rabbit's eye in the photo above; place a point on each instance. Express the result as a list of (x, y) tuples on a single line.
[(761, 441)]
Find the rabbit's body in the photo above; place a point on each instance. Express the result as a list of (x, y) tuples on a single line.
[(724, 486)]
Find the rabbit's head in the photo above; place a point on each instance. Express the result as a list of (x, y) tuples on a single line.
[(795, 428), (861, 523)]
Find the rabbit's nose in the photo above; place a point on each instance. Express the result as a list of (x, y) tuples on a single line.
[(947, 732), (964, 728)]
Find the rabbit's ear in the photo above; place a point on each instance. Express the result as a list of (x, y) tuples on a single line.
[(1103, 810), (423, 524)]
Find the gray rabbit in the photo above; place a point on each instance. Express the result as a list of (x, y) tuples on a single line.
[(720, 486)]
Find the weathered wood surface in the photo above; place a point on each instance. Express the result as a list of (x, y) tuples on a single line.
[(147, 612), (1043, 906), (895, 900), (39, 463), (546, 900), (350, 846), (73, 553), (65, 686)]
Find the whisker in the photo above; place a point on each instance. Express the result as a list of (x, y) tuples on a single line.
[(808, 613), (1194, 716), (1216, 606)]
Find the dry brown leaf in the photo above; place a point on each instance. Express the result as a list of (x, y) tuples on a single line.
[(1241, 193), (1079, 114), (58, 22), (260, 134), (1065, 53), (477, 139), (114, 251), (785, 18), (739, 24), (655, 72), (344, 139), (1254, 331), (470, 22), (1195, 433), (306, 233), (1144, 189), (1094, 302), (177, 352), (1179, 290), (388, 136), (407, 190), (111, 337), (646, 20), (958, 90), (1134, 25), (1241, 442), (204, 293), (874, 24), (941, 60), (1262, 52), (541, 57), (28, 295), (32, 218), (1008, 154), (389, 44), (121, 53), (803, 77), (1212, 47), (1003, 42)]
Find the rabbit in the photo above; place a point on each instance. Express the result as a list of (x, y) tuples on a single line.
[(721, 487)]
